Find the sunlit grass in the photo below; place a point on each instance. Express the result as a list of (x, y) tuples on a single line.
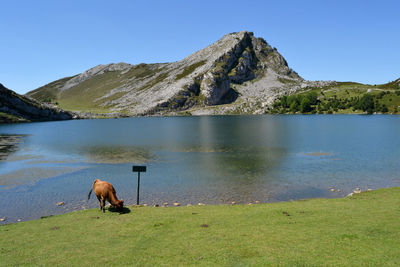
[(355, 231)]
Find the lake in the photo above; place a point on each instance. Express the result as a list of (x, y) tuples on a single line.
[(208, 159)]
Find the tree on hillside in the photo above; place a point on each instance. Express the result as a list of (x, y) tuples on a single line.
[(312, 97), (294, 106), (366, 103), (305, 105)]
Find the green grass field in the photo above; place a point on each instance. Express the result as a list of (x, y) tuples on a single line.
[(363, 230)]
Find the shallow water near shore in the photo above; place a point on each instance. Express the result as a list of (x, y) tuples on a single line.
[(208, 159)]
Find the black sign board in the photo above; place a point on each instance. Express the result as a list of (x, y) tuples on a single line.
[(139, 168)]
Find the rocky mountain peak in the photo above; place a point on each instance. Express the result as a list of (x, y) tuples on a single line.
[(238, 68)]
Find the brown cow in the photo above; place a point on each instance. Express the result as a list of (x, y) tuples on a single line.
[(106, 192)]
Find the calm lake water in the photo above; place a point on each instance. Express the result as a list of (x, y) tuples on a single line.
[(194, 159)]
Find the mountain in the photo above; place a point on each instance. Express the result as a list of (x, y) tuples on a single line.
[(237, 74), (17, 108)]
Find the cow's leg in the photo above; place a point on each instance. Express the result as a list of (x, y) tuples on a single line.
[(98, 198), (103, 202)]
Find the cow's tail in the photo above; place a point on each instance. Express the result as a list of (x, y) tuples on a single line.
[(90, 192)]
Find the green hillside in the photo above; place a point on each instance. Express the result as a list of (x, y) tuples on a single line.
[(18, 108), (343, 97), (95, 93)]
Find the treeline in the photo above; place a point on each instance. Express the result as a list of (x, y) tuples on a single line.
[(311, 103)]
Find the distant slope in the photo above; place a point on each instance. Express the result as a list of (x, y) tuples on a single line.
[(391, 85), (343, 97), (17, 108), (237, 74)]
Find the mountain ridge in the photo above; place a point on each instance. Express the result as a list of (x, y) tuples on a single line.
[(18, 108), (238, 74), (239, 69)]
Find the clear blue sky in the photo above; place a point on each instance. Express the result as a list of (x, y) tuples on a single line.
[(42, 41)]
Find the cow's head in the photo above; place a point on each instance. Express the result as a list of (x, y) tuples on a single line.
[(120, 205)]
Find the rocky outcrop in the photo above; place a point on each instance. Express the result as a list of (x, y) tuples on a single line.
[(14, 107), (214, 86), (250, 58)]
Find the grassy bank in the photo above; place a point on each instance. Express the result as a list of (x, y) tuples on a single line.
[(358, 231)]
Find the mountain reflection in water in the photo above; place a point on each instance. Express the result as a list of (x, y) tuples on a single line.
[(9, 144)]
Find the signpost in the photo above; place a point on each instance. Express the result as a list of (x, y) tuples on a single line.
[(138, 169)]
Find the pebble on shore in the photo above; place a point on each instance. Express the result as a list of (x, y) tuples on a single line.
[(357, 191)]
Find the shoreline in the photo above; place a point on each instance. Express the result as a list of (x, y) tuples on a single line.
[(356, 191), (123, 116)]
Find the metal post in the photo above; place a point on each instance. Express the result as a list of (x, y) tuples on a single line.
[(138, 169), (138, 187)]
